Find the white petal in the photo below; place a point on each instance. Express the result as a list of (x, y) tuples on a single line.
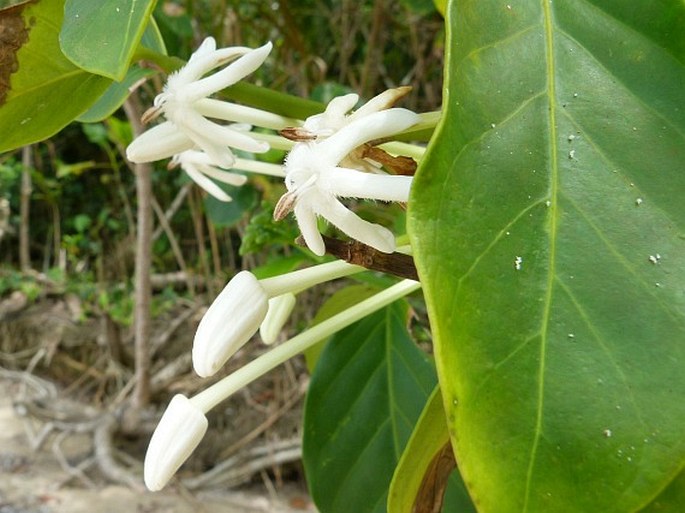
[(178, 433), (230, 321), (334, 117), (159, 142), (383, 101), (205, 59), (207, 46), (350, 223), (206, 183), (223, 176), (202, 131), (212, 108), (306, 220), (231, 74), (350, 183), (371, 127), (280, 308)]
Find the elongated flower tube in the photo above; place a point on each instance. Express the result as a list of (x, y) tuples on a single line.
[(178, 433), (230, 321), (315, 181), (185, 106), (280, 308), (239, 310), (169, 449)]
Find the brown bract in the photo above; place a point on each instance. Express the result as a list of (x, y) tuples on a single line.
[(14, 33)]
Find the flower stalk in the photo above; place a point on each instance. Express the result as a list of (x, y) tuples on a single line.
[(221, 390)]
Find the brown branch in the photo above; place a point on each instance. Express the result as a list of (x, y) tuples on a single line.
[(357, 253)]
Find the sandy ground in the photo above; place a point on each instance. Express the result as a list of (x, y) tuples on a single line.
[(34, 482)]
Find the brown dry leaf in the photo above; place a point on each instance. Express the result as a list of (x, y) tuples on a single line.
[(14, 32), (432, 491)]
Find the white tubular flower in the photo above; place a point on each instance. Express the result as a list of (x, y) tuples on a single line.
[(178, 433), (199, 166), (239, 310), (280, 308), (184, 104), (315, 180), (230, 321)]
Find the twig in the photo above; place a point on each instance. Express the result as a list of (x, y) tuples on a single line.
[(175, 248), (173, 208), (270, 420), (242, 467), (161, 339), (104, 454)]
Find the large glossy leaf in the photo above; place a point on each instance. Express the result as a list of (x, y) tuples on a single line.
[(549, 227), (40, 89), (101, 37), (117, 93), (341, 300), (366, 393)]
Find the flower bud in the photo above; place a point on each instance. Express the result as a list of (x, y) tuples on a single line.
[(230, 321), (280, 308), (177, 435)]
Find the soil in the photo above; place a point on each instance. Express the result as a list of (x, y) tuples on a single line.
[(74, 359), (32, 481)]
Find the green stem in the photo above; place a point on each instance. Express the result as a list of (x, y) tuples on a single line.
[(209, 398), (298, 281)]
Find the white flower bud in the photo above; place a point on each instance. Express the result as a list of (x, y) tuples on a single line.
[(230, 321), (177, 435), (280, 308)]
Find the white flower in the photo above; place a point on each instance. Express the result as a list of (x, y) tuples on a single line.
[(230, 321), (239, 310), (315, 180), (280, 308), (178, 433), (199, 166), (184, 104)]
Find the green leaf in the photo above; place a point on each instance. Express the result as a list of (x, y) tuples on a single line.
[(549, 231), (671, 500), (222, 213), (40, 90), (430, 436), (152, 38), (117, 93), (102, 37), (341, 300), (365, 395), (115, 96)]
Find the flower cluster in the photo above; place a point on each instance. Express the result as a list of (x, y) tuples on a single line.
[(196, 143), (335, 155), (317, 172)]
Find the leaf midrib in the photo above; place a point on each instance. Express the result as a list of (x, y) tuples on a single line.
[(554, 185)]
